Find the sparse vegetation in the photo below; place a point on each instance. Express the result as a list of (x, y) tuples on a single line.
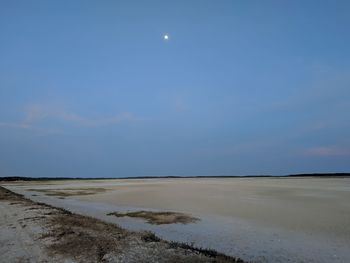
[(158, 218), (205, 251), (150, 237), (70, 191), (43, 179)]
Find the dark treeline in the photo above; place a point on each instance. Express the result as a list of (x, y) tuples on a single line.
[(23, 178)]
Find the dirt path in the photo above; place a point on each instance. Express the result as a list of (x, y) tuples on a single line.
[(34, 232)]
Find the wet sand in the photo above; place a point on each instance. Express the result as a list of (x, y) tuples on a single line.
[(261, 219)]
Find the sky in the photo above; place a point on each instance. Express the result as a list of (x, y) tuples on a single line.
[(92, 88)]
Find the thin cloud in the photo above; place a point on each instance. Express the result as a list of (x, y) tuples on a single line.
[(327, 151), (36, 115), (15, 125), (23, 126), (78, 119)]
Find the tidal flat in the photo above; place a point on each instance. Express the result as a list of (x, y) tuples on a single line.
[(256, 219)]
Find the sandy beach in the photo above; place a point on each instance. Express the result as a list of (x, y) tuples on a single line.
[(257, 219)]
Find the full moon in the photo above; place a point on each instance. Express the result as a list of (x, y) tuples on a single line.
[(166, 37)]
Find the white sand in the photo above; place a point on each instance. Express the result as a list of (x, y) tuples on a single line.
[(20, 237)]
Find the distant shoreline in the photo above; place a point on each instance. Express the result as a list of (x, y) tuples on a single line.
[(321, 175)]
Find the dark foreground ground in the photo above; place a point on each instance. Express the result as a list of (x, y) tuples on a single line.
[(37, 232)]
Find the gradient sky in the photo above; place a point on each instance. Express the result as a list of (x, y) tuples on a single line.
[(90, 88)]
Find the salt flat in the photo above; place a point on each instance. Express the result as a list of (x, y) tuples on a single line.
[(260, 219), (36, 232)]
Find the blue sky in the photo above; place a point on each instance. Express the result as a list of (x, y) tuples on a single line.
[(90, 88)]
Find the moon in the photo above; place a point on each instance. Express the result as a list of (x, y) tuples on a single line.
[(166, 37)]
